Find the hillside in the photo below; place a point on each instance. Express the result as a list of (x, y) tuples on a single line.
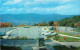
[(70, 21)]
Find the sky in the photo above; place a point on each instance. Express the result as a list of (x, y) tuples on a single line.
[(63, 7)]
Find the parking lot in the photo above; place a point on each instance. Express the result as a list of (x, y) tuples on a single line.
[(31, 32)]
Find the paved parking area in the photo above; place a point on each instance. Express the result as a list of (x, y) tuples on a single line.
[(32, 32)]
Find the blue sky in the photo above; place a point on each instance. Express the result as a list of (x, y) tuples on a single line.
[(64, 7)]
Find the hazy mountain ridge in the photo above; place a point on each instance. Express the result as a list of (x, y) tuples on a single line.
[(16, 19)]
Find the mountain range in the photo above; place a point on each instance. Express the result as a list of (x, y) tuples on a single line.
[(30, 19)]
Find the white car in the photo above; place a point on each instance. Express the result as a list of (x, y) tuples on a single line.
[(49, 33)]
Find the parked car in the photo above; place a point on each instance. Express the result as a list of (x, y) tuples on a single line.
[(49, 33), (50, 28)]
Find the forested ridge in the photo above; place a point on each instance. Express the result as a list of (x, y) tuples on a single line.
[(69, 22)]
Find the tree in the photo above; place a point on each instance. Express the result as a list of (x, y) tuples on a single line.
[(43, 24), (78, 27), (15, 25), (56, 23), (70, 20), (22, 25), (50, 23), (75, 25), (78, 23), (0, 24), (9, 24), (5, 24), (34, 24), (39, 24), (55, 26)]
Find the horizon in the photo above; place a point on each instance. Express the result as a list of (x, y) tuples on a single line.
[(38, 14)]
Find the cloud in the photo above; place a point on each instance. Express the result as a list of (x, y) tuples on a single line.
[(41, 6), (67, 9), (20, 9), (52, 9), (44, 0), (67, 6), (59, 1), (9, 2), (9, 10), (17, 10), (12, 9)]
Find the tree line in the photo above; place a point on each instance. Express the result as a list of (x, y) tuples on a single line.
[(50, 23), (69, 22), (8, 24)]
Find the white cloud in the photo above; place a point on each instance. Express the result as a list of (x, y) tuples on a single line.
[(42, 6), (12, 2), (44, 2), (67, 6), (63, 9), (28, 3), (67, 9), (61, 1), (17, 10), (20, 9), (11, 9), (40, 10)]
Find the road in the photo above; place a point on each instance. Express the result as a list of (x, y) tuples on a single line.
[(70, 36), (7, 33)]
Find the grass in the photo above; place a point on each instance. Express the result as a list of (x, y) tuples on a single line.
[(1, 37), (77, 30), (78, 48), (62, 47), (64, 39), (69, 34), (68, 39)]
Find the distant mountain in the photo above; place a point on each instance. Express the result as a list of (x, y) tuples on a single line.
[(30, 19)]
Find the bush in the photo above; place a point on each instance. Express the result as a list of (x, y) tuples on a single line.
[(10, 48), (62, 47)]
